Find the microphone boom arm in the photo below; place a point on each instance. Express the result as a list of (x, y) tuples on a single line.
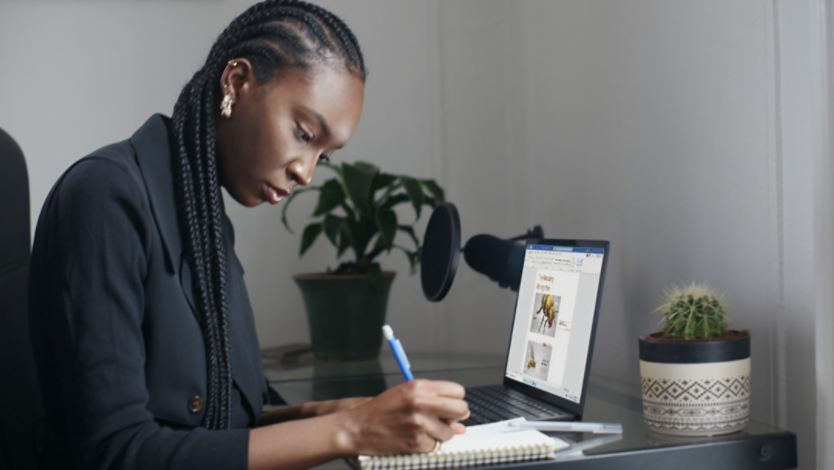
[(535, 233)]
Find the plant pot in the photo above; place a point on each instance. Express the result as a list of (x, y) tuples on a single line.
[(696, 388), (345, 314)]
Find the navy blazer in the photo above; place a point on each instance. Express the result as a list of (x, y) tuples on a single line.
[(118, 342)]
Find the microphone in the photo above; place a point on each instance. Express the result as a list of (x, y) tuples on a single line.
[(501, 260)]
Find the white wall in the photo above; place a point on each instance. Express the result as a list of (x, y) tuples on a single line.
[(798, 128), (824, 227), (804, 60), (690, 134), (654, 134)]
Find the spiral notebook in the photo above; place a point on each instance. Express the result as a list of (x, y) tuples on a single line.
[(484, 444)]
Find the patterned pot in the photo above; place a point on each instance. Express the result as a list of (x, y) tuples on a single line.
[(696, 388)]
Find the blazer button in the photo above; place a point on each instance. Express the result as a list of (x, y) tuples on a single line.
[(195, 404)]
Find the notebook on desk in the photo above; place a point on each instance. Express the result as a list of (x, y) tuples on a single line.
[(486, 444), (552, 337)]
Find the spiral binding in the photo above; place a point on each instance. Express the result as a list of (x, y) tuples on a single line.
[(460, 459)]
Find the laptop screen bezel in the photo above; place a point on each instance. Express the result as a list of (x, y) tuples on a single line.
[(564, 403)]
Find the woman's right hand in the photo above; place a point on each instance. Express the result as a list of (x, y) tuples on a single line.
[(409, 418)]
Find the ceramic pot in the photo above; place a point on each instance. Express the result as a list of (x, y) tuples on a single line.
[(345, 314), (696, 388)]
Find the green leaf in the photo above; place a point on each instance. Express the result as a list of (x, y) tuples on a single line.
[(359, 234), (332, 227), (415, 192), (413, 261), (367, 166), (435, 190), (388, 192), (350, 212), (386, 223), (393, 201), (358, 178), (348, 228), (311, 232), (367, 231), (382, 180), (330, 197), (379, 247), (287, 204), (410, 231), (344, 240)]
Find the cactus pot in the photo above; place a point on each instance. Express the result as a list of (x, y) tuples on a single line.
[(345, 314), (696, 387)]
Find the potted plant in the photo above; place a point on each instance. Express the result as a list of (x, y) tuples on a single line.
[(346, 306), (695, 371)]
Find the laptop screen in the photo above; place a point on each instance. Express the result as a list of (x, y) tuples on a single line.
[(554, 318)]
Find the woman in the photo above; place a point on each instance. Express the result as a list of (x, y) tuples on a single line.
[(143, 331)]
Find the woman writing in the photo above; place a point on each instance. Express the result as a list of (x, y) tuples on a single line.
[(143, 332)]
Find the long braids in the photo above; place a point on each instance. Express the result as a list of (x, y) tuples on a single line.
[(274, 35)]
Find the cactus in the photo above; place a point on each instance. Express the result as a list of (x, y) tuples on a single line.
[(693, 312)]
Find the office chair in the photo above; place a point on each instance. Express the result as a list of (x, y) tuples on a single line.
[(21, 409)]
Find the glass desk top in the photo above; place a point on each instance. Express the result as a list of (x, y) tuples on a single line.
[(305, 368), (757, 446)]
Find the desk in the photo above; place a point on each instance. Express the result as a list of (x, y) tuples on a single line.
[(759, 446)]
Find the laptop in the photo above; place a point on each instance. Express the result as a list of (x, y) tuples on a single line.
[(552, 338)]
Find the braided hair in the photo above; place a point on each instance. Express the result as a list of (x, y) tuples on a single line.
[(275, 36)]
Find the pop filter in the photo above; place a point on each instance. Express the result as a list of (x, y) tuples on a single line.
[(440, 252), (501, 260)]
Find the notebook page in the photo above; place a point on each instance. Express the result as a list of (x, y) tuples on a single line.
[(477, 438), (497, 435)]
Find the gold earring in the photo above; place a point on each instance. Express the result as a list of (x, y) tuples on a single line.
[(226, 106)]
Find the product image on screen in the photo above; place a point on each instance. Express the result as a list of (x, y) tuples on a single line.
[(546, 315), (537, 361)]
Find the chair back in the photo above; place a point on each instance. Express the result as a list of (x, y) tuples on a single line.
[(21, 409)]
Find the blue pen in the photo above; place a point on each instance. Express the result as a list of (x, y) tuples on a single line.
[(398, 351)]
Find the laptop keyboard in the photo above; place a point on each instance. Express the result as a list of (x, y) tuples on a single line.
[(496, 403)]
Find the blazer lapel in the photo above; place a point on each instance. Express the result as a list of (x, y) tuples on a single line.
[(153, 155)]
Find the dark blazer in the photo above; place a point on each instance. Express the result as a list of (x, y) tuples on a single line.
[(118, 342)]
